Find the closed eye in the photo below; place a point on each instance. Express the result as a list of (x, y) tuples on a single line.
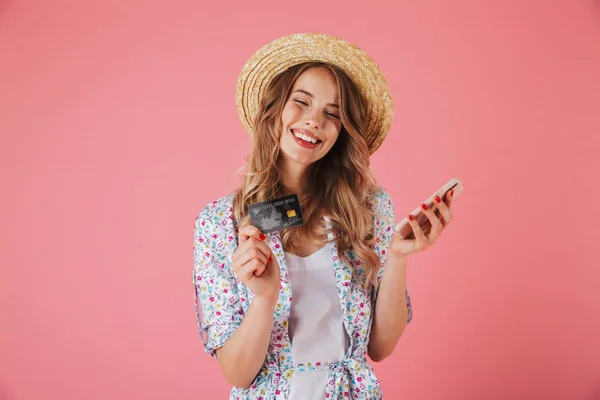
[(333, 115), (301, 102)]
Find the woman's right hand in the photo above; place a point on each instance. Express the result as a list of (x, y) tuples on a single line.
[(254, 264)]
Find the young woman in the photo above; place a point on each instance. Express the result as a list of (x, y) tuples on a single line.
[(293, 314)]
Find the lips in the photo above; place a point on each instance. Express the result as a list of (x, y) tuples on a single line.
[(305, 133), (303, 143)]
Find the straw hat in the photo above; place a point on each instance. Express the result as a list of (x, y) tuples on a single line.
[(288, 51)]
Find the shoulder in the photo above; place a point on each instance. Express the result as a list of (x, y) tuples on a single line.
[(216, 216), (380, 201), (382, 207)]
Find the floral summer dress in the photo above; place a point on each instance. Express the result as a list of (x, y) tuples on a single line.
[(222, 301)]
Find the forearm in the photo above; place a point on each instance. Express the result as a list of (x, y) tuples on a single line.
[(391, 312), (244, 353)]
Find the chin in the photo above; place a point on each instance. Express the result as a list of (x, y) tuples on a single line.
[(294, 153), (297, 158)]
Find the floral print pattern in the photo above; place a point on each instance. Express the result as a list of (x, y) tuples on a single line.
[(222, 301)]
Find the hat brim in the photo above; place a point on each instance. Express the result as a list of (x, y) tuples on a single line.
[(285, 52)]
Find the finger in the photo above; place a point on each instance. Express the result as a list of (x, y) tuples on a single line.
[(260, 270), (252, 249), (436, 224), (261, 246), (449, 198), (248, 250), (418, 232), (248, 231), (444, 210), (247, 270)]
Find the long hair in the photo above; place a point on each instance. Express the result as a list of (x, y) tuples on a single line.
[(339, 184)]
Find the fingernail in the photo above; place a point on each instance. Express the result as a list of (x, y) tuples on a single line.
[(270, 258), (452, 192), (424, 207), (437, 198), (262, 237), (411, 217)]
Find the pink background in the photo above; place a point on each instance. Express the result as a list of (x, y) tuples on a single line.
[(118, 123)]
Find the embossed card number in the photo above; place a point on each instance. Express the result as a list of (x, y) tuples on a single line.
[(277, 214)]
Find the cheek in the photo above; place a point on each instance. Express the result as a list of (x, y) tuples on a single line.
[(333, 132), (289, 114)]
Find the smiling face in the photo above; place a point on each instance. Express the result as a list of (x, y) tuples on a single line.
[(311, 117)]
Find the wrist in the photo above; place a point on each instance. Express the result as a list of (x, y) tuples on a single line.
[(397, 258), (395, 269), (266, 300)]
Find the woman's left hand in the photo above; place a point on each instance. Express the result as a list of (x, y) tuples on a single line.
[(403, 247)]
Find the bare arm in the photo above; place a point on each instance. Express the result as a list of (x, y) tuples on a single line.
[(391, 311), (244, 353)]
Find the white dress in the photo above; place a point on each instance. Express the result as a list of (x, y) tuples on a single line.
[(316, 328)]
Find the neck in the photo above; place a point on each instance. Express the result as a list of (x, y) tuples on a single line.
[(293, 177)]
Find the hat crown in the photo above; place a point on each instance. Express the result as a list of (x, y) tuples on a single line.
[(285, 52)]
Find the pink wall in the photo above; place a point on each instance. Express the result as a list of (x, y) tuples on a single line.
[(118, 123)]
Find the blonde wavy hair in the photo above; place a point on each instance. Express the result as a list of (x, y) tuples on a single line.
[(340, 184)]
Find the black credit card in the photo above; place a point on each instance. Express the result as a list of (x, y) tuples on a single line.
[(277, 214)]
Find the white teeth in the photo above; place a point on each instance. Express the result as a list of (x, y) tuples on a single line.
[(304, 137)]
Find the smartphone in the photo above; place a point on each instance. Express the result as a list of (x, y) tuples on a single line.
[(404, 228)]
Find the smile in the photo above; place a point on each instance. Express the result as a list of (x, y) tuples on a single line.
[(304, 140)]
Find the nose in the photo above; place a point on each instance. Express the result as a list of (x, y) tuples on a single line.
[(313, 119)]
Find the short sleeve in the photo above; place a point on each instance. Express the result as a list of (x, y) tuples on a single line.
[(384, 223), (218, 308)]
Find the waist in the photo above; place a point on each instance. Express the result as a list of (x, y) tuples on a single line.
[(288, 367)]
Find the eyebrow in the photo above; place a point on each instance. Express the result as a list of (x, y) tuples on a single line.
[(309, 94)]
